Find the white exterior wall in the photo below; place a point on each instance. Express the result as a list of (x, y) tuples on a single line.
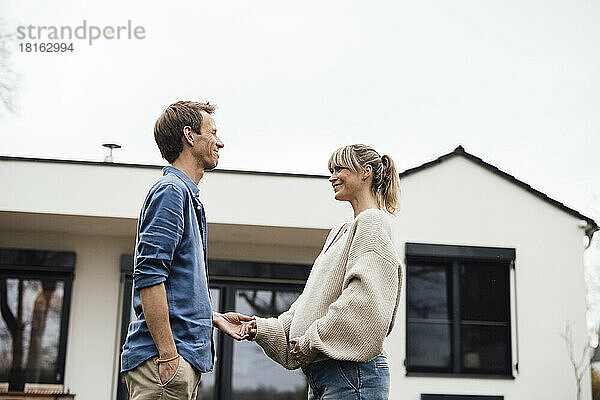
[(460, 203), (455, 202), (111, 191)]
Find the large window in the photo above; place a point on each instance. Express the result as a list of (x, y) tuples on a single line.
[(207, 388), (273, 381), (35, 291), (458, 310), (263, 289)]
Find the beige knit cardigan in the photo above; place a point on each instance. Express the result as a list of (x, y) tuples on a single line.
[(350, 300)]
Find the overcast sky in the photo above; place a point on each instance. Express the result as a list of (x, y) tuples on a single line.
[(515, 82)]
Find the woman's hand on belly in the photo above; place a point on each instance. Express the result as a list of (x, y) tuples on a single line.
[(302, 359)]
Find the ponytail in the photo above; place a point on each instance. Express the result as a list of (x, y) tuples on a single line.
[(388, 195)]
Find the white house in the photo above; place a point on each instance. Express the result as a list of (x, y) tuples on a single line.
[(494, 269)]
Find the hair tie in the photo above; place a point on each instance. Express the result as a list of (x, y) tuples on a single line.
[(385, 160)]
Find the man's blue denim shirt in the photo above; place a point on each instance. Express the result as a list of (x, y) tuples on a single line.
[(171, 248)]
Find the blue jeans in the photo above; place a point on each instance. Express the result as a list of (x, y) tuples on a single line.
[(345, 380)]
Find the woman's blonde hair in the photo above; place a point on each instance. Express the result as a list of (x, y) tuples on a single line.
[(386, 183)]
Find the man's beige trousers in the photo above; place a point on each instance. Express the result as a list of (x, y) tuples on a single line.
[(143, 382)]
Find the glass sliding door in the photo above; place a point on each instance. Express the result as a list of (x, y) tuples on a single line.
[(254, 375), (242, 371), (206, 390)]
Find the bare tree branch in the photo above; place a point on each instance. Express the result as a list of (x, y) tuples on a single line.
[(581, 367), (7, 315), (8, 76)]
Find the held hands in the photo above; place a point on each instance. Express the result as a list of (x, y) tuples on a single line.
[(302, 359), (249, 330), (240, 327), (234, 324)]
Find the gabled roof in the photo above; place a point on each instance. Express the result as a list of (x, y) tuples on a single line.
[(460, 152)]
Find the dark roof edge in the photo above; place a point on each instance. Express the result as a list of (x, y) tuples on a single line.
[(151, 166), (460, 151)]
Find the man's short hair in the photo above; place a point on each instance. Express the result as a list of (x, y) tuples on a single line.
[(168, 129)]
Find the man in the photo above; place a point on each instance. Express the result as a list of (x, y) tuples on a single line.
[(170, 343)]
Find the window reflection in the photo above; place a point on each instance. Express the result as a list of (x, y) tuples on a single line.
[(30, 329), (483, 292), (483, 348), (428, 291), (255, 376), (429, 346)]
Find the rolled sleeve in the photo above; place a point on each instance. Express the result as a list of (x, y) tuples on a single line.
[(160, 231)]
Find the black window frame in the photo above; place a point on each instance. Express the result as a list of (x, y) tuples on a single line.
[(228, 276), (43, 265), (456, 256), (126, 267)]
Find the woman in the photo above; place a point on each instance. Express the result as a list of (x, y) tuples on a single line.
[(337, 326)]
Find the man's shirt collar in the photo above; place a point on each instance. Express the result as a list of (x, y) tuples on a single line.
[(169, 169)]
